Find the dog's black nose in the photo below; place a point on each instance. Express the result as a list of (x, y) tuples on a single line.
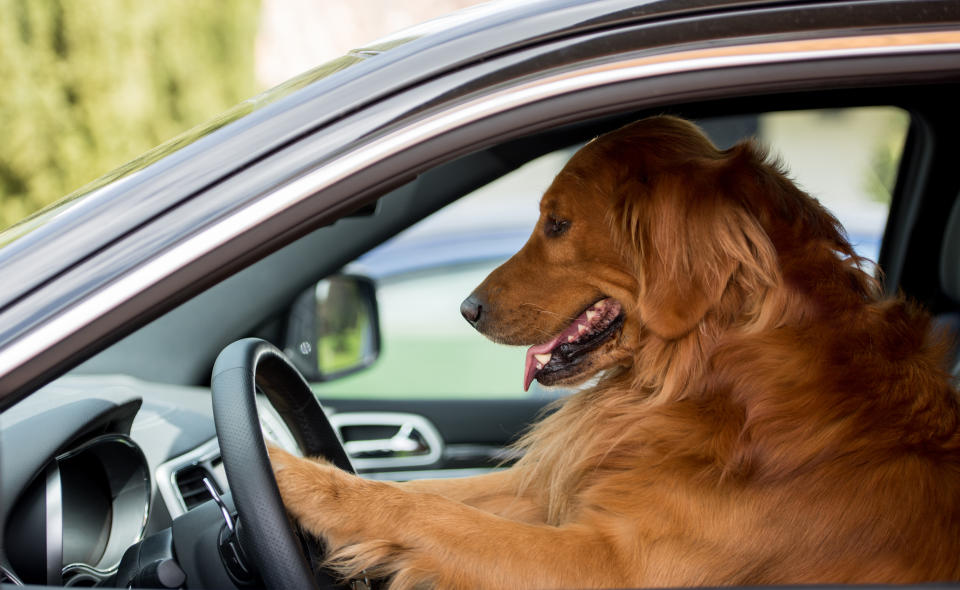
[(471, 308)]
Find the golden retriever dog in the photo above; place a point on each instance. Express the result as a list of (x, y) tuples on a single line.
[(761, 414)]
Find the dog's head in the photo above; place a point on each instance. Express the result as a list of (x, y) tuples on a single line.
[(648, 232)]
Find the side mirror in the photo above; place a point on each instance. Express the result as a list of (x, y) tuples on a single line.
[(333, 328)]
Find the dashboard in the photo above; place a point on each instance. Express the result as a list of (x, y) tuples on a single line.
[(93, 465), (80, 461)]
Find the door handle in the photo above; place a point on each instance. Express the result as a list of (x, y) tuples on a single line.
[(415, 442)]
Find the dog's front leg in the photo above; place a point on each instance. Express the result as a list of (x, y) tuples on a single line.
[(421, 539), (498, 492), (465, 489)]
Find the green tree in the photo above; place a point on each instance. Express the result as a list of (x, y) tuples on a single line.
[(90, 84)]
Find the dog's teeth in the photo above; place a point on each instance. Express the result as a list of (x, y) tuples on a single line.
[(581, 328), (542, 359), (598, 305), (591, 315), (539, 366), (571, 338)]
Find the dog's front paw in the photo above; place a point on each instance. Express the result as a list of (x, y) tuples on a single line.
[(281, 459), (307, 486), (402, 568)]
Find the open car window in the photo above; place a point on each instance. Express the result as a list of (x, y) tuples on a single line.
[(847, 158), (422, 276)]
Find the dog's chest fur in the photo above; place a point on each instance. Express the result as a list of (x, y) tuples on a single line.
[(802, 477)]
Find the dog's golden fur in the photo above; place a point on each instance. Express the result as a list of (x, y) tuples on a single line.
[(763, 415)]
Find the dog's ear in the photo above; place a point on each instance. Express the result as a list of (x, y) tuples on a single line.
[(690, 240)]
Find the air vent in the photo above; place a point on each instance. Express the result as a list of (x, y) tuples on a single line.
[(190, 485)]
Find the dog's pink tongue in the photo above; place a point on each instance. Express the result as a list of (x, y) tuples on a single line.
[(574, 330), (531, 367)]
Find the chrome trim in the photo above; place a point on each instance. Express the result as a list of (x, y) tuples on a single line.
[(116, 543), (81, 572), (494, 453), (11, 577), (166, 474), (54, 524), (120, 438), (81, 314), (429, 473), (401, 442), (224, 511)]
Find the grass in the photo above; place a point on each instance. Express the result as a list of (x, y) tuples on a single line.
[(432, 367)]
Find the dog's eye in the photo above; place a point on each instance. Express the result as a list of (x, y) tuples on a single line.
[(556, 227)]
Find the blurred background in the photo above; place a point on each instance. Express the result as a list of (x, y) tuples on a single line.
[(91, 84)]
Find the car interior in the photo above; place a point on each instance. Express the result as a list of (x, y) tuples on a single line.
[(130, 429)]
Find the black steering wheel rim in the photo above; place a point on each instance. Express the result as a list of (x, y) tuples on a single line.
[(241, 369)]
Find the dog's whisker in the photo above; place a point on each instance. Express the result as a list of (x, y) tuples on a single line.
[(540, 331), (548, 312)]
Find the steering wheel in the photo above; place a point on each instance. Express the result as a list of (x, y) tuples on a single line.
[(267, 537)]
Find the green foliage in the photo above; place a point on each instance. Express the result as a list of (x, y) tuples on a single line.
[(90, 84), (881, 177)]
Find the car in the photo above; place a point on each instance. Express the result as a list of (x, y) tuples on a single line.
[(304, 218)]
